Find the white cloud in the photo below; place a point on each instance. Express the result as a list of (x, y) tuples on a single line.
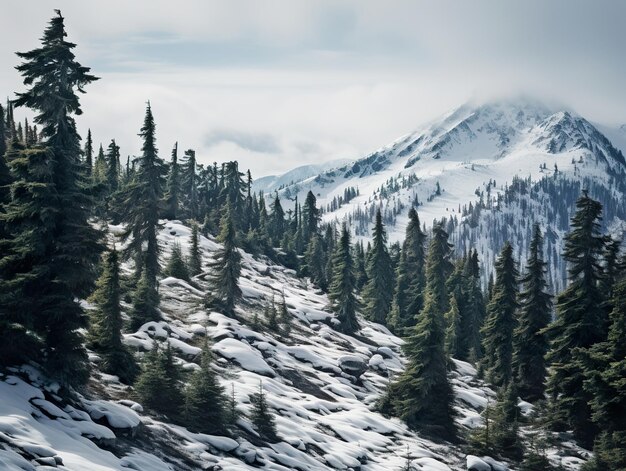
[(277, 84)]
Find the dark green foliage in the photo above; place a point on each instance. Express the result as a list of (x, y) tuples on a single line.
[(113, 167), (99, 172), (341, 293), (189, 183), (194, 261), (422, 395), (605, 373), (261, 416), (50, 209), (142, 203), (105, 332), (580, 323), (276, 224), (226, 266), (378, 292), (500, 435), (3, 134), (88, 153), (176, 266), (501, 321), (159, 384), (314, 257), (205, 402), (410, 279), (145, 303), (232, 414), (530, 340), (284, 317), (310, 218), (172, 192)]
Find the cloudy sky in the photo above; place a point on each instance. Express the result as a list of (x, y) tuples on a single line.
[(277, 84)]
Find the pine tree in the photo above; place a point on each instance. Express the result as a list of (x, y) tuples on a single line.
[(142, 201), (176, 266), (276, 224), (189, 183), (501, 321), (378, 292), (581, 322), (88, 153), (469, 344), (605, 370), (410, 279), (422, 395), (314, 259), (310, 218), (262, 419), (145, 306), (113, 167), (3, 135), (105, 332), (271, 317), (232, 413), (99, 172), (194, 261), (453, 324), (159, 384), (530, 340), (60, 266), (343, 284), (283, 316), (226, 266), (172, 193), (205, 400)]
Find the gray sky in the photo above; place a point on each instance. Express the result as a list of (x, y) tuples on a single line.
[(277, 84)]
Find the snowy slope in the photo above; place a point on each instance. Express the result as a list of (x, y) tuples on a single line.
[(270, 183), (464, 153), (324, 415)]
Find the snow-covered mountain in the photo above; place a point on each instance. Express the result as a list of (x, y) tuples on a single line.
[(466, 166), (321, 385), (270, 183)]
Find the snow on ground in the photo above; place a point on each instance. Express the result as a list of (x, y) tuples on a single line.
[(325, 415)]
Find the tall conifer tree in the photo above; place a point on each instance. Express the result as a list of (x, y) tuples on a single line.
[(172, 193), (530, 339), (422, 395), (69, 246), (343, 284), (378, 292), (501, 321), (581, 321)]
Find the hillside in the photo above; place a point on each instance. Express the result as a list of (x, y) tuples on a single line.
[(466, 163), (312, 378)]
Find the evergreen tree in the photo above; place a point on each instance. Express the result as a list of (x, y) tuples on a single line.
[(262, 419), (232, 413), (176, 266), (60, 266), (314, 259), (342, 286), (226, 266), (422, 395), (310, 218), (205, 400), (530, 340), (378, 292), (189, 182), (581, 322), (276, 225), (105, 332), (159, 384), (99, 172), (142, 201), (113, 167), (194, 261), (473, 315), (3, 134), (283, 316), (172, 193), (501, 321), (271, 317), (88, 152), (145, 306), (605, 370), (453, 324), (410, 279)]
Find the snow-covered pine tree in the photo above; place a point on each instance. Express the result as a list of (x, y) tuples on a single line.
[(344, 302)]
